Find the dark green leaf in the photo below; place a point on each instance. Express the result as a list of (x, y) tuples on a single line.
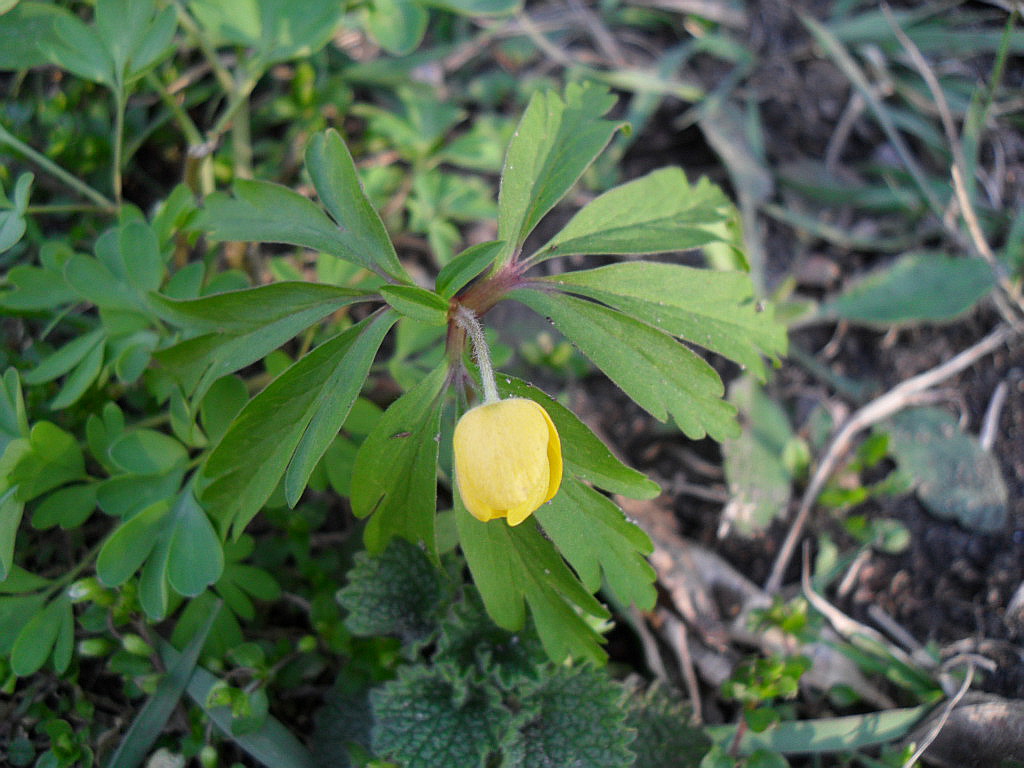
[(554, 143), (660, 374), (417, 303), (125, 495), (594, 536), (397, 592), (37, 638), (666, 736), (289, 424), (272, 745), (918, 287), (94, 282), (582, 451), (195, 559), (151, 720), (457, 273), (334, 175), (716, 310), (80, 379), (423, 720), (395, 475), (657, 213), (13, 419), (516, 566), (574, 717), (127, 548)]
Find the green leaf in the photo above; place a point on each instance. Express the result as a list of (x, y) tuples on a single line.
[(657, 213), (554, 143), (53, 459), (424, 720), (716, 310), (13, 419), (67, 507), (289, 425), (397, 25), (126, 495), (479, 7), (94, 282), (660, 374), (81, 378), (147, 452), (395, 475), (515, 566), (272, 744), (397, 592), (666, 737), (129, 545), (334, 175), (574, 716), (417, 303), (594, 536), (760, 483), (954, 477), (139, 251), (918, 287), (195, 558), (37, 638), (270, 213), (11, 510), (77, 48), (583, 453), (457, 273), (830, 734), (26, 28), (57, 363), (151, 720)]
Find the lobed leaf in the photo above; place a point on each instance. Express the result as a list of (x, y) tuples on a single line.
[(395, 473), (554, 143), (661, 375), (592, 533), (289, 425), (516, 566), (715, 310)]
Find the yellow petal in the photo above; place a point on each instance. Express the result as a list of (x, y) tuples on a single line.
[(508, 459)]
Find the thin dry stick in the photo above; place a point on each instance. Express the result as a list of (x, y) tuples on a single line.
[(941, 723), (880, 408)]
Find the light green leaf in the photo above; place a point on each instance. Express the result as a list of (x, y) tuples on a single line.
[(516, 566), (395, 474), (68, 507), (61, 361), (954, 477), (81, 378), (270, 213), (195, 558), (11, 510), (127, 548), (77, 48), (760, 483), (53, 458), (140, 252), (25, 29), (716, 310), (293, 420), (147, 452), (918, 287), (457, 273), (397, 25), (478, 7), (657, 213), (554, 143), (125, 495), (334, 175), (417, 303), (583, 453), (13, 418), (660, 374), (594, 536), (94, 282)]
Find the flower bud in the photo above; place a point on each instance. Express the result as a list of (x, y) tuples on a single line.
[(508, 459)]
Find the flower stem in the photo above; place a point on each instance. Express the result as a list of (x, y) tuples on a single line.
[(466, 318)]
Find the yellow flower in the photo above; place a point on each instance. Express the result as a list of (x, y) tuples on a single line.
[(508, 459)]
